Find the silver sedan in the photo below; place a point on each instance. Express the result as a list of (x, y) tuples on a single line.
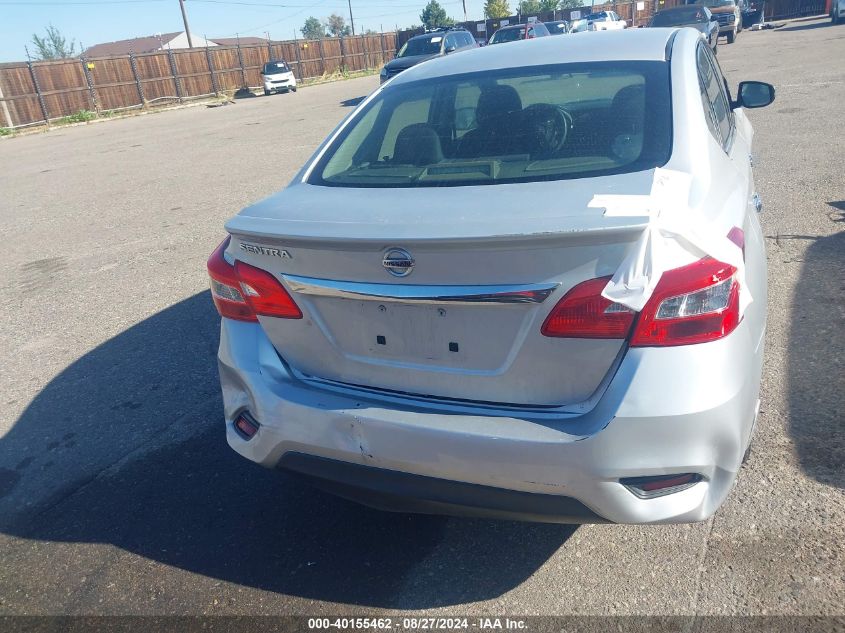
[(526, 282)]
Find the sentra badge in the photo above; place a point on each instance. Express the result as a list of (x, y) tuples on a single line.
[(265, 250)]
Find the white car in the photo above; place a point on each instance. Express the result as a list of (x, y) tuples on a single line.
[(527, 281), (277, 77), (605, 21)]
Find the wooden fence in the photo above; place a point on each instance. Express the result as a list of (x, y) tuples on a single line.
[(38, 92)]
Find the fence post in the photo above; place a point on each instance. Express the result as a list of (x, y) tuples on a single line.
[(241, 62), (342, 56), (137, 81), (41, 101), (95, 103), (298, 58), (173, 71), (322, 58), (383, 54), (4, 108), (214, 85)]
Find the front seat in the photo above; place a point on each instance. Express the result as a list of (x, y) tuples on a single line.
[(627, 123), (418, 145), (497, 119)]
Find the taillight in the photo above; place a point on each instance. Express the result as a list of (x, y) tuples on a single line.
[(584, 313), (693, 304), (225, 287), (243, 292)]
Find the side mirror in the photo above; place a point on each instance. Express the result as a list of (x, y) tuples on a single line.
[(451, 49), (754, 94)]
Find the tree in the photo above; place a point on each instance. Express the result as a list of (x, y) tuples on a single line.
[(54, 45), (533, 7), (336, 25), (313, 29), (496, 9), (571, 4), (434, 15)]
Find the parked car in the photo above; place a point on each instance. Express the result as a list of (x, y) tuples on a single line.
[(753, 11), (695, 16), (559, 27), (605, 21), (419, 320), (837, 11), (579, 26), (277, 77), (516, 32), (729, 15), (427, 46)]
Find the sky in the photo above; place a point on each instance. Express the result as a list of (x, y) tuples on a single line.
[(96, 21)]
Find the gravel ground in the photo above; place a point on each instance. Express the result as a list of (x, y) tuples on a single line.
[(118, 494)]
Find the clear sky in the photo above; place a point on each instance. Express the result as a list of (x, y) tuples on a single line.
[(96, 21)]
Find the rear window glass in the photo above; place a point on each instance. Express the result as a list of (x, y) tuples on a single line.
[(515, 125), (421, 46), (508, 35), (686, 15), (272, 68)]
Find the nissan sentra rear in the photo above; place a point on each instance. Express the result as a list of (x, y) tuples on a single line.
[(470, 301)]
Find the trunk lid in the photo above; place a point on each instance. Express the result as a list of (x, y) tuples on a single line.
[(490, 263)]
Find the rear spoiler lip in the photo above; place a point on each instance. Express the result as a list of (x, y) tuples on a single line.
[(588, 227)]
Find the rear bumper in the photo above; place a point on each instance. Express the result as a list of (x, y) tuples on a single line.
[(405, 492), (666, 411)]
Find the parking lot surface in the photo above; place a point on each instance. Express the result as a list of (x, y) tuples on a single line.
[(119, 495)]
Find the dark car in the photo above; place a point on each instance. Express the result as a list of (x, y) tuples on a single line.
[(516, 32), (754, 12), (558, 27), (423, 47), (697, 16)]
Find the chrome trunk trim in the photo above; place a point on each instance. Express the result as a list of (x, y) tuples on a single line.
[(401, 293)]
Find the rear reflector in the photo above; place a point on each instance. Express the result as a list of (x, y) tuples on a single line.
[(246, 425), (660, 485)]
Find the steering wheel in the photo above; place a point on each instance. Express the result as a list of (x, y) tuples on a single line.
[(546, 128)]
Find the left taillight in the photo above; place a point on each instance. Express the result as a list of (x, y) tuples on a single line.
[(243, 292)]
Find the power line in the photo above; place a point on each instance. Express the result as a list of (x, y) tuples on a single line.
[(55, 3)]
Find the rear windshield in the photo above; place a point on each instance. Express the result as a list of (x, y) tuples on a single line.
[(421, 46), (687, 15), (273, 68), (514, 125), (508, 35), (718, 3)]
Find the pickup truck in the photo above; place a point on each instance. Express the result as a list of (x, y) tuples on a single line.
[(605, 21)]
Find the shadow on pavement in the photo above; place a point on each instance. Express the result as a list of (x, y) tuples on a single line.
[(350, 103), (807, 27), (197, 506), (816, 362)]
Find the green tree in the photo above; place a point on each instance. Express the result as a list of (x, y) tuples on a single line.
[(313, 29), (54, 45), (336, 25), (496, 9), (571, 4), (434, 15), (529, 7)]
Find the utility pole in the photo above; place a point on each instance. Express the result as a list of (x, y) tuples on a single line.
[(185, 20), (351, 21), (465, 11)]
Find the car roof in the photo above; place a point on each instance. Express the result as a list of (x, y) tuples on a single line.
[(683, 8), (628, 44), (510, 27)]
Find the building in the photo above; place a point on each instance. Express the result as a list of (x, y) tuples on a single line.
[(147, 44)]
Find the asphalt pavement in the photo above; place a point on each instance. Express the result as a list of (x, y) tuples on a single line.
[(119, 495)]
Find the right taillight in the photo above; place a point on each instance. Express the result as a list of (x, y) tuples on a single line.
[(693, 304), (243, 292)]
